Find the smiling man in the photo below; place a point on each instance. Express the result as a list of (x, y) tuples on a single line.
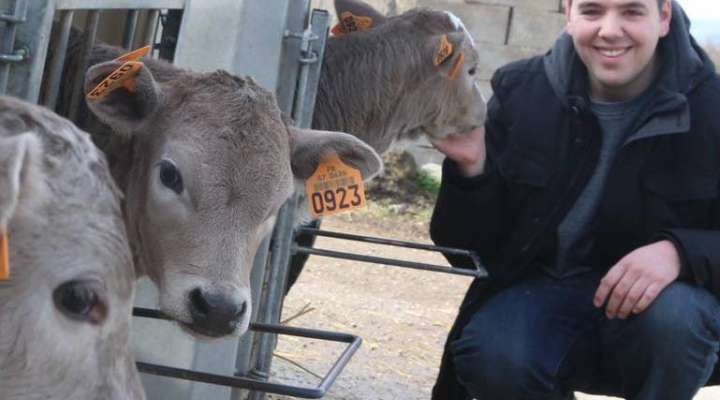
[(592, 197)]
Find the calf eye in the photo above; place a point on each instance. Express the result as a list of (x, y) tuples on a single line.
[(472, 71), (170, 176), (78, 300)]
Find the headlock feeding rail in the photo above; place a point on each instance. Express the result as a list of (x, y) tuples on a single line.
[(186, 32)]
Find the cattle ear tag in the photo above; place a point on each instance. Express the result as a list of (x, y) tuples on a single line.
[(134, 55), (444, 51), (121, 77), (334, 188), (4, 257), (350, 22)]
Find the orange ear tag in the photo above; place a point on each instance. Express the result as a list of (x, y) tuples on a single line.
[(350, 22), (334, 188), (444, 51), (134, 55), (4, 257), (457, 66), (121, 77)]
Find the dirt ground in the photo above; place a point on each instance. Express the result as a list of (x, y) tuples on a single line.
[(402, 315)]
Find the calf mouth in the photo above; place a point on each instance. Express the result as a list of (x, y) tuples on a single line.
[(202, 332)]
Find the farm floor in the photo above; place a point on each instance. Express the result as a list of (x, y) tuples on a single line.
[(402, 315)]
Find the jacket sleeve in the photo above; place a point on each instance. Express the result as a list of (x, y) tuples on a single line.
[(699, 252), (469, 212)]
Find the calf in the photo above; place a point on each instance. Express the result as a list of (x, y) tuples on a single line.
[(205, 161), (65, 311)]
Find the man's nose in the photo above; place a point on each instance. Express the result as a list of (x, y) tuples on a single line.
[(611, 27)]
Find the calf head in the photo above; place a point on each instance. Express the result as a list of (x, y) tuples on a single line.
[(207, 165), (65, 312), (420, 66)]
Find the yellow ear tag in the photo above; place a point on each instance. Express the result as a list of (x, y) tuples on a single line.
[(4, 257), (350, 22), (334, 188), (121, 77), (444, 51), (134, 55)]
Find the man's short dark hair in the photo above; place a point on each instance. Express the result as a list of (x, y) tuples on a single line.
[(659, 2)]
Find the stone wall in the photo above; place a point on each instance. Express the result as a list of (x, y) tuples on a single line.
[(505, 30)]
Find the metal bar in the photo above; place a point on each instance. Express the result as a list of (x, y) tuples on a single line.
[(312, 63), (118, 4), (353, 342), (476, 273), (58, 61), (389, 242), (280, 248), (8, 53), (151, 27), (91, 27), (131, 22)]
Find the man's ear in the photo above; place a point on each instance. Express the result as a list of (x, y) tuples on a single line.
[(447, 54), (18, 156), (126, 107), (309, 147), (358, 8)]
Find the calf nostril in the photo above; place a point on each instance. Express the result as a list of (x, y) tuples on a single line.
[(199, 303), (241, 309)]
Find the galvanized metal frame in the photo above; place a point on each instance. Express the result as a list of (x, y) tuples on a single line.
[(353, 344)]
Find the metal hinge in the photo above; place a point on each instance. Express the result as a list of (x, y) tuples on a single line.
[(306, 37)]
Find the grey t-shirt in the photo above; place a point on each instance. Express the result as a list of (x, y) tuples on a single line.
[(574, 238)]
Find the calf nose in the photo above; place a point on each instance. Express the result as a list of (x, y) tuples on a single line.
[(217, 314)]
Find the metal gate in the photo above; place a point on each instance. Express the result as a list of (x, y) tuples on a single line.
[(287, 43)]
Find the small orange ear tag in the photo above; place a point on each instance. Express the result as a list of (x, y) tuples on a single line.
[(457, 67), (350, 22), (121, 77), (334, 188), (4, 257), (444, 51), (134, 55)]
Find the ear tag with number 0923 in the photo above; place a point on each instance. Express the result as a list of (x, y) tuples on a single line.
[(334, 188)]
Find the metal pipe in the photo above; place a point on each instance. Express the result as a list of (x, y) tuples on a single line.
[(118, 4), (476, 273), (261, 386), (130, 26), (8, 53), (280, 248), (389, 242), (151, 27), (58, 61), (91, 26)]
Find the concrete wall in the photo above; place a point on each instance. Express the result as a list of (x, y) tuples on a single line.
[(505, 30)]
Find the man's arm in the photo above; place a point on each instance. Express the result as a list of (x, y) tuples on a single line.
[(471, 204)]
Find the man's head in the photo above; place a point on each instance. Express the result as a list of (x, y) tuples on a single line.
[(617, 41)]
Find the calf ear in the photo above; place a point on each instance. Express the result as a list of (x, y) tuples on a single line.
[(127, 107), (16, 173), (309, 147), (360, 9), (447, 54)]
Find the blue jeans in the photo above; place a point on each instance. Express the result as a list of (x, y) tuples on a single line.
[(543, 338)]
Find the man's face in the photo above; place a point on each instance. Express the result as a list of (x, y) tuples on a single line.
[(616, 40)]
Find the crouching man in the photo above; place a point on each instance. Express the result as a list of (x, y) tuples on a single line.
[(592, 197)]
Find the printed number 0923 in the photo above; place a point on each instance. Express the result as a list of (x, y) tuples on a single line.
[(331, 200)]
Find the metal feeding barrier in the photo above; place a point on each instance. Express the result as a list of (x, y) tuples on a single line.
[(288, 62)]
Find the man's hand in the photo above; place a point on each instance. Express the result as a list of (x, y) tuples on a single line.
[(467, 149), (637, 279)]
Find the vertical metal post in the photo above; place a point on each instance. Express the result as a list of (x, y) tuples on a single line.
[(15, 15), (151, 27), (58, 61), (91, 26), (272, 300), (130, 26)]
